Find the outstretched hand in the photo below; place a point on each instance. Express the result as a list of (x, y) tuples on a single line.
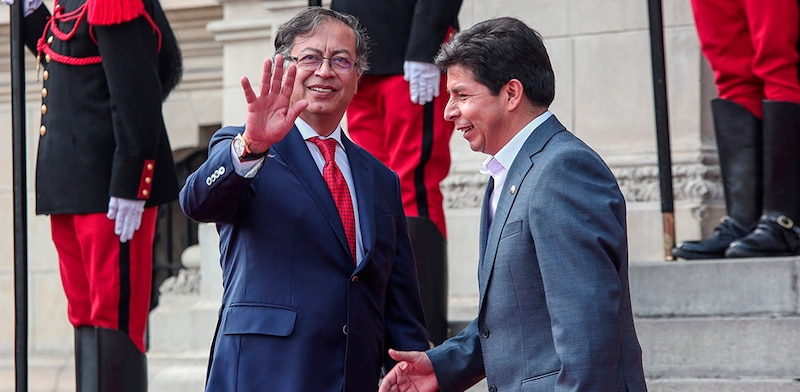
[(413, 373), (270, 114)]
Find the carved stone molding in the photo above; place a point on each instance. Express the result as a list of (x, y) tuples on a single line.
[(691, 181), (187, 282), (464, 190)]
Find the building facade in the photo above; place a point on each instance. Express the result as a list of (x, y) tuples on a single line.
[(601, 55)]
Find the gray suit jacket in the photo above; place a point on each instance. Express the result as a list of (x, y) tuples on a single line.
[(555, 311)]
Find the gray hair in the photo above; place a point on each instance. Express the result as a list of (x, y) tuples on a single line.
[(309, 19)]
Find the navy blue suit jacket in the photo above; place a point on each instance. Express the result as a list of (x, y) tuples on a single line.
[(296, 314)]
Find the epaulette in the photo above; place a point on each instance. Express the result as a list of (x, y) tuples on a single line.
[(111, 12)]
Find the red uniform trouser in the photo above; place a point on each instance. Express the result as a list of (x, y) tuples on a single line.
[(107, 282), (752, 46), (411, 139)]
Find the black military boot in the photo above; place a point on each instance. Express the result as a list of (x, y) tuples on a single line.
[(86, 372), (739, 146), (777, 233), (122, 367), (430, 253)]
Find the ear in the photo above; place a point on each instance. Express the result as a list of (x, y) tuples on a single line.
[(513, 92)]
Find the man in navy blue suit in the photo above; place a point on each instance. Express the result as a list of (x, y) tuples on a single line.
[(314, 291)]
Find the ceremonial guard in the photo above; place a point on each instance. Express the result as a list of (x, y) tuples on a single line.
[(398, 116), (103, 166)]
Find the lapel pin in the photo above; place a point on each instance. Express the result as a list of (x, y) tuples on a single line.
[(513, 189)]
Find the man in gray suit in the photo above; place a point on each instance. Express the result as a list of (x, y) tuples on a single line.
[(555, 311)]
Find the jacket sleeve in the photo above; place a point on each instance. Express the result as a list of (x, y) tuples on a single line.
[(405, 319), (458, 362), (214, 191), (130, 63), (33, 26), (431, 22)]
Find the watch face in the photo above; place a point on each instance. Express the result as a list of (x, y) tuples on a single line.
[(238, 146)]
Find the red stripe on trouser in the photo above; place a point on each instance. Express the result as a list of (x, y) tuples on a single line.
[(90, 263), (382, 119), (752, 48)]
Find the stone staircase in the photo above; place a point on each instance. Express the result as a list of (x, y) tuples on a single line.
[(719, 325), (704, 326)]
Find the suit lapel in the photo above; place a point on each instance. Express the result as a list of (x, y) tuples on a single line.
[(485, 220), (362, 179), (293, 151), (519, 169)]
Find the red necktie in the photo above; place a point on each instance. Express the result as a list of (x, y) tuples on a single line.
[(339, 190)]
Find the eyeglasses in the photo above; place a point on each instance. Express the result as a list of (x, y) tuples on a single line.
[(312, 62)]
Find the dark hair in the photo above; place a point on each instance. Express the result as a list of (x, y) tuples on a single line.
[(309, 19), (501, 49)]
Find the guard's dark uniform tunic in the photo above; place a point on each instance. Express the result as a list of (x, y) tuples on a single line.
[(102, 135)]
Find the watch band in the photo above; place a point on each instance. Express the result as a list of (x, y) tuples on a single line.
[(245, 154)]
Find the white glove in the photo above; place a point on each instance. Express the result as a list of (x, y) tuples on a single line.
[(29, 5), (423, 80), (127, 216)]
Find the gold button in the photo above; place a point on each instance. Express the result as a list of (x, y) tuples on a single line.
[(47, 58), (148, 180), (44, 109), (46, 74), (50, 39), (44, 92), (42, 130), (145, 192), (150, 166), (513, 189)]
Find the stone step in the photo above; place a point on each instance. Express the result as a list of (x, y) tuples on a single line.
[(722, 385), (721, 347), (726, 287)]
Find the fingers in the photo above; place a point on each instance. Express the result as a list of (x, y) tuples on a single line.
[(267, 76), (249, 94), (426, 92), (413, 89), (389, 383), (402, 355), (112, 208), (297, 108), (288, 80), (277, 82)]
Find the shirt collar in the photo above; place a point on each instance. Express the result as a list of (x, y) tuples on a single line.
[(509, 152), (307, 132)]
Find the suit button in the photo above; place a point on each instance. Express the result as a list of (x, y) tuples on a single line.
[(485, 333), (46, 75), (44, 92), (44, 109), (492, 388), (50, 39), (354, 279), (47, 58), (344, 329), (42, 130)]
